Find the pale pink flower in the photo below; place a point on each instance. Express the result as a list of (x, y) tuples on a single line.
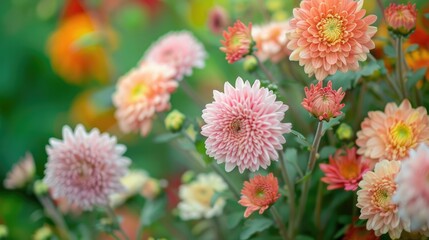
[(330, 35), (237, 41), (401, 19), (179, 50), (85, 168), (412, 195), (271, 41), (243, 126), (392, 133), (21, 173), (323, 103), (141, 94), (375, 200), (345, 169), (259, 194), (217, 20)]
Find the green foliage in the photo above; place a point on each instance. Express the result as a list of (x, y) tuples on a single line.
[(255, 225)]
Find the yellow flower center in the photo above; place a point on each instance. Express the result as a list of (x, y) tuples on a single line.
[(382, 195), (331, 29), (139, 91), (382, 198), (402, 135), (202, 194)]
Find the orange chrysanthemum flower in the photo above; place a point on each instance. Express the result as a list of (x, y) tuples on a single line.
[(419, 59), (259, 194), (392, 133), (238, 41), (323, 103), (401, 19), (330, 35)]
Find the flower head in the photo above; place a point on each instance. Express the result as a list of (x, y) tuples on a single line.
[(359, 233), (323, 103), (375, 200), (401, 19), (179, 50), (259, 193), (140, 94), (327, 36), (196, 197), (345, 170), (174, 121), (21, 174), (392, 133), (85, 168), (412, 194), (237, 41), (243, 126), (419, 59), (217, 20), (133, 183), (271, 41)]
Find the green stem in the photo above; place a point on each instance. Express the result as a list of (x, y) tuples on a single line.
[(265, 70), (234, 191), (399, 67), (112, 215), (291, 198), (317, 213), (56, 216), (310, 166), (279, 222)]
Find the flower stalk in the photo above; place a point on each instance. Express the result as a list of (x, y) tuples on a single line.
[(291, 191), (399, 67)]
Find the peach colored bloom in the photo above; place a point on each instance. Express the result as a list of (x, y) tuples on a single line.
[(330, 35), (21, 173), (401, 18), (217, 20), (375, 200), (323, 103), (179, 50), (259, 194), (243, 126), (412, 195), (271, 41), (85, 168), (142, 93), (237, 41), (345, 169), (392, 133)]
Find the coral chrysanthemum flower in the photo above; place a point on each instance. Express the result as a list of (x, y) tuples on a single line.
[(412, 194), (72, 58), (401, 19), (237, 41), (259, 194), (323, 103), (345, 169), (243, 126), (392, 133), (179, 50), (140, 94), (21, 174), (330, 35), (271, 41), (375, 200), (359, 233), (85, 168)]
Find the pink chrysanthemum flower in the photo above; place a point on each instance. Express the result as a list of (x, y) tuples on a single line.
[(238, 41), (323, 103), (243, 126), (412, 195), (345, 169), (375, 200), (217, 20), (401, 19), (179, 50), (140, 94), (85, 168), (259, 194), (392, 133), (330, 35), (21, 174), (271, 41)]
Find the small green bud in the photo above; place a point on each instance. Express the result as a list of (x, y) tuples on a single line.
[(344, 132), (174, 121), (250, 64), (40, 188), (3, 232), (188, 176), (43, 233)]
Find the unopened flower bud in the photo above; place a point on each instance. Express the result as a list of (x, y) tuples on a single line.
[(250, 64), (401, 18), (344, 132), (40, 188), (174, 121), (43, 233), (188, 176)]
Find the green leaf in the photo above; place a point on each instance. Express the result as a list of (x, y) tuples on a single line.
[(234, 219), (414, 77), (344, 80), (369, 68), (341, 232), (162, 138), (201, 149), (303, 237), (333, 122), (152, 211), (301, 139), (253, 226), (305, 178), (412, 48), (326, 151), (389, 50)]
